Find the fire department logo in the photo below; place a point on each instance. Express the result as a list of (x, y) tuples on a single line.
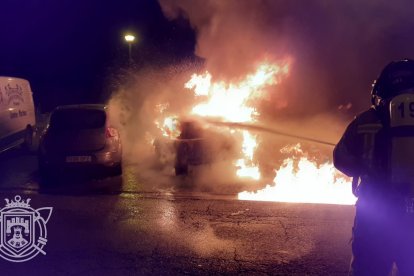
[(23, 232)]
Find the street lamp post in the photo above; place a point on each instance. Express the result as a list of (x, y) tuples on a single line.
[(129, 38)]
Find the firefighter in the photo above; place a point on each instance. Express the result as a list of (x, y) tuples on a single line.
[(377, 151)]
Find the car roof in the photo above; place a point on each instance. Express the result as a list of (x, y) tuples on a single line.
[(13, 78), (82, 106)]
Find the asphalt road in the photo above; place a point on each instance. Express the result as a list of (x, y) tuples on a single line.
[(114, 227)]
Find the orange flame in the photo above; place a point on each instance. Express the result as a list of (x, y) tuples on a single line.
[(298, 179), (169, 127), (233, 102), (305, 181)]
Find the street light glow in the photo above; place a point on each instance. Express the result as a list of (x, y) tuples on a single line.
[(129, 38)]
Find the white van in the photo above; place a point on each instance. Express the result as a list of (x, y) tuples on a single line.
[(17, 113)]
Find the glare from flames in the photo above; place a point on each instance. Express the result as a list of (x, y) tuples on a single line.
[(297, 180)]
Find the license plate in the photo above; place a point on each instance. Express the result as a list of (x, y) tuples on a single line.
[(78, 159)]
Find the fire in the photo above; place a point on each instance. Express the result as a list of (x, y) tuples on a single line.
[(169, 127), (245, 165), (305, 181), (299, 179), (233, 102)]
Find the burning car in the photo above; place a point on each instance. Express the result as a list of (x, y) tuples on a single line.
[(195, 145)]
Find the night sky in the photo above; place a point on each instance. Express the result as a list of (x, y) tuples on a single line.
[(70, 50), (73, 51)]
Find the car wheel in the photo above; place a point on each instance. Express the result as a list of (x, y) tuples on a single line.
[(28, 138), (47, 175), (117, 170), (181, 169)]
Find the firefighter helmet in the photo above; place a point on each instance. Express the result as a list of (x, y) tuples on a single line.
[(397, 77)]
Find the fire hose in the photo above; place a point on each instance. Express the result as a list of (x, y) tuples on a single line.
[(259, 128)]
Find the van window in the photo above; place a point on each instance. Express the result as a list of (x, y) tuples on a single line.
[(77, 119)]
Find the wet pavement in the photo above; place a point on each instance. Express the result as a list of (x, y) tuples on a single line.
[(114, 227)]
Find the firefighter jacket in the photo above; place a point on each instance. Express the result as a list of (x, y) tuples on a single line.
[(362, 151)]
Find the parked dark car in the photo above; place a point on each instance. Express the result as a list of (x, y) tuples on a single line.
[(79, 138)]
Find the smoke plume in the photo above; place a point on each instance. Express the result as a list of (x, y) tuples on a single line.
[(337, 47)]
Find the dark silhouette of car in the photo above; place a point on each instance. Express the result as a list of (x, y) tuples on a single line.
[(192, 148), (79, 138)]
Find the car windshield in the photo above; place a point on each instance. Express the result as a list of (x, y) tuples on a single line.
[(77, 119)]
